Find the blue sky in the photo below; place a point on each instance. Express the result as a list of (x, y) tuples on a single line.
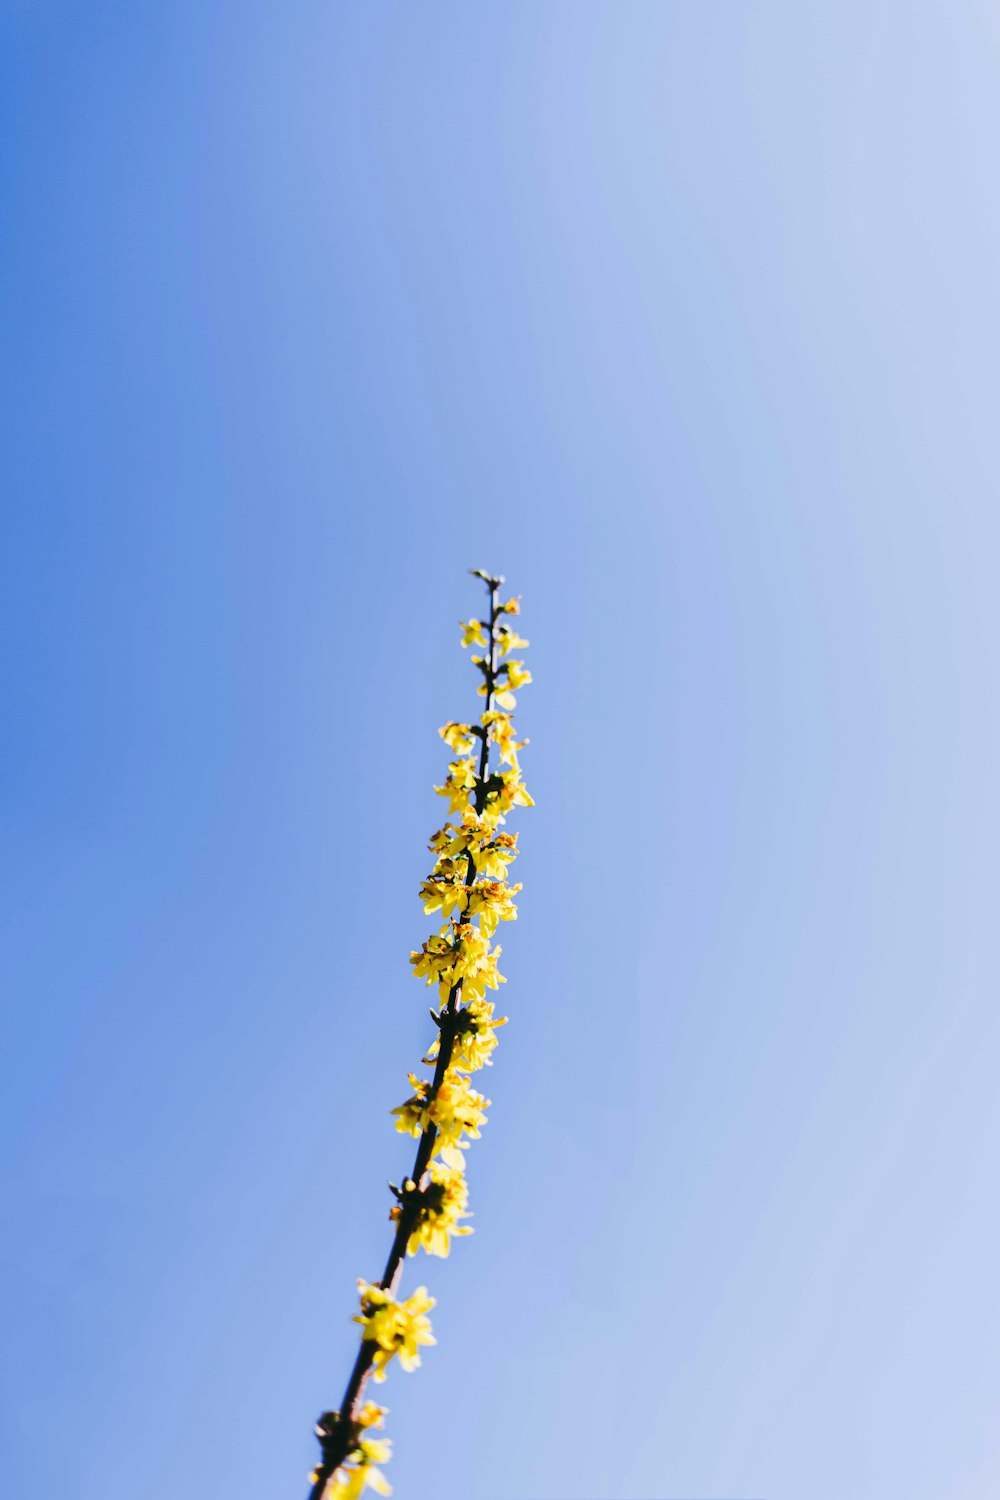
[(685, 317)]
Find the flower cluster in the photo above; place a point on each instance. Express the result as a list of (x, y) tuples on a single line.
[(469, 889), (435, 1209), (452, 1110), (357, 1470), (395, 1328)]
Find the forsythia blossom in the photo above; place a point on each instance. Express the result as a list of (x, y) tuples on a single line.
[(454, 1108), (459, 954), (395, 1328), (469, 890), (474, 1037), (358, 1471), (440, 1205)]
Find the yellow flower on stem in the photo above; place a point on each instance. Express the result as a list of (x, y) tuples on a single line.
[(371, 1415), (477, 837), (468, 886), (395, 1328), (459, 782), (517, 676), (455, 1110), (496, 854), (509, 640), (501, 727), (505, 791), (474, 1037), (444, 891), (463, 954), (458, 737), (492, 902), (473, 633), (434, 1210), (412, 1111), (357, 1472)]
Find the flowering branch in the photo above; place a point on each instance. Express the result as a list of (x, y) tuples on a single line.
[(468, 886)]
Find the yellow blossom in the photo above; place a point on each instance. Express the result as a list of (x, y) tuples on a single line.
[(455, 1109), (458, 737), (476, 836), (434, 961), (471, 949), (501, 727), (518, 675), (506, 791), (371, 1415), (473, 632), (463, 954), (494, 856), (412, 1112), (358, 1470), (492, 902), (441, 1205), (445, 890), (509, 640), (460, 781), (474, 1037), (396, 1328)]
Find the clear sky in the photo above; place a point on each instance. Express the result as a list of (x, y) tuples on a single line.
[(684, 316)]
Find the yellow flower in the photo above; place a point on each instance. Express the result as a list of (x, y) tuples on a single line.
[(358, 1472), (506, 791), (434, 960), (460, 781), (412, 1111), (458, 737), (482, 976), (474, 1038), (496, 854), (358, 1469), (501, 727), (492, 902), (396, 1328), (464, 954), (518, 675), (476, 836), (473, 633), (512, 606), (441, 1205), (348, 1482), (471, 949), (456, 1109), (509, 640), (445, 890), (371, 1415)]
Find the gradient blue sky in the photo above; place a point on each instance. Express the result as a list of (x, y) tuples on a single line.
[(685, 317)]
